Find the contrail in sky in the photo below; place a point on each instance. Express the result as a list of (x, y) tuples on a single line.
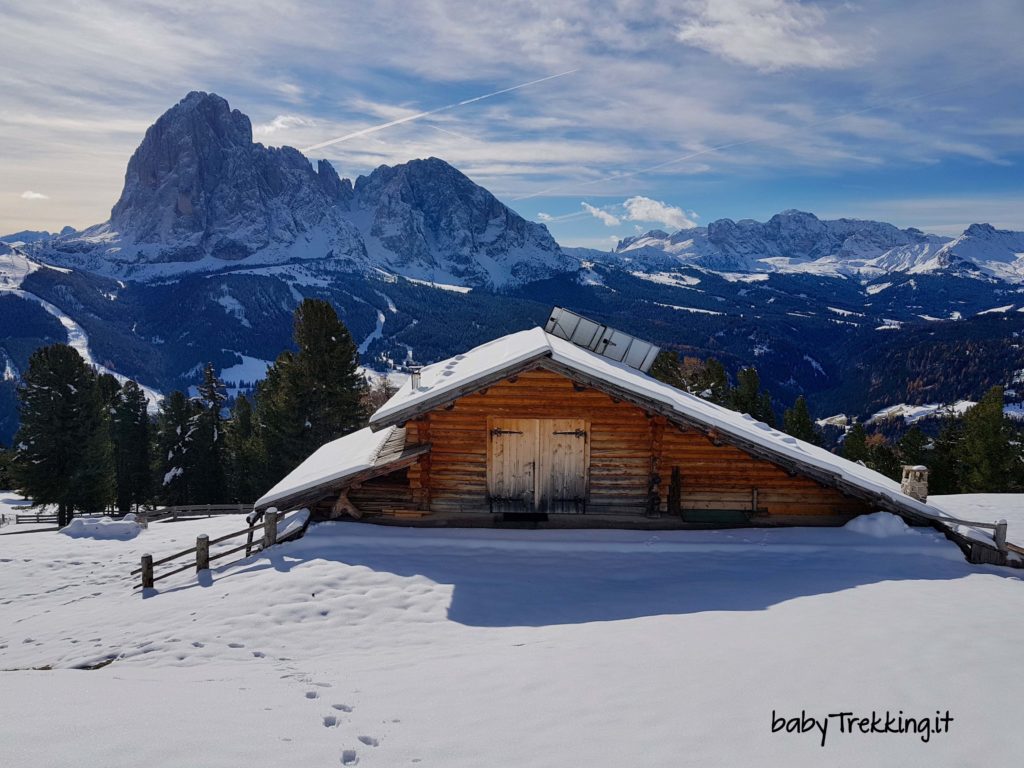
[(785, 133), (419, 115)]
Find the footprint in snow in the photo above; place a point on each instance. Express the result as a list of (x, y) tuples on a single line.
[(348, 757), (197, 644), (258, 654), (369, 741), (235, 645), (312, 694), (342, 707), (330, 721)]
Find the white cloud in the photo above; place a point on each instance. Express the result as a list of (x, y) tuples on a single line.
[(645, 209), (28, 194), (283, 123), (765, 34), (545, 216), (608, 219)]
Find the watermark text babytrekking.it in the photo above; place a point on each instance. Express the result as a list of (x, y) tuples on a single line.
[(871, 723)]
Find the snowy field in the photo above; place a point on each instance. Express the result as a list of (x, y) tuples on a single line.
[(391, 647)]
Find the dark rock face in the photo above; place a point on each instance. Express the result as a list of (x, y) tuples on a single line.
[(428, 214), (199, 185), (198, 189)]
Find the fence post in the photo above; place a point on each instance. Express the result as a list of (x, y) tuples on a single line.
[(1000, 535), (269, 528), (147, 571), (142, 519), (202, 552)]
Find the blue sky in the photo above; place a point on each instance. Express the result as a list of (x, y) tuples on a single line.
[(677, 113)]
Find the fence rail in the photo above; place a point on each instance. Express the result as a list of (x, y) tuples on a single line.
[(203, 558), (36, 517), (197, 510), (998, 532)]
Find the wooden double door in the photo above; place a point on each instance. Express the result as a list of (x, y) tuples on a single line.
[(538, 465)]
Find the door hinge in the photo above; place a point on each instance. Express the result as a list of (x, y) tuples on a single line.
[(574, 433), (498, 432)]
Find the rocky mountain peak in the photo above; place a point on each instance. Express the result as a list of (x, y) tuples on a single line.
[(198, 192), (432, 218)]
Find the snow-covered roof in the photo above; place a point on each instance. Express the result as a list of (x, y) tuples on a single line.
[(329, 463), (445, 380)]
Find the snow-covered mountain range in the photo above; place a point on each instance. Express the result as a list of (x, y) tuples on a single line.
[(200, 196), (800, 242)]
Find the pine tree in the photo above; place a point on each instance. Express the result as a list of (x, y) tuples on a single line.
[(62, 449), (947, 460), (244, 458), (913, 447), (882, 457), (799, 424), (713, 383), (855, 446), (173, 454), (207, 483), (327, 374), (747, 397), (130, 436), (989, 456), (667, 368), (311, 396), (6, 479), (279, 421), (704, 378)]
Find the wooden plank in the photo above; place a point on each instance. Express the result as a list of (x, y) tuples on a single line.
[(512, 459), (562, 465)]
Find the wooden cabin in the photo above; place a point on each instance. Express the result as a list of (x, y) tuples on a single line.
[(532, 427)]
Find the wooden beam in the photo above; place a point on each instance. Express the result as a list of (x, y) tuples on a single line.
[(342, 505)]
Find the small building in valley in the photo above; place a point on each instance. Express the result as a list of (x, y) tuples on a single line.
[(540, 426)]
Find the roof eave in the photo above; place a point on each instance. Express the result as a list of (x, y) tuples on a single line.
[(316, 492)]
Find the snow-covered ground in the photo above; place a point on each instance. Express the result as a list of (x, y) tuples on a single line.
[(394, 647), (987, 508)]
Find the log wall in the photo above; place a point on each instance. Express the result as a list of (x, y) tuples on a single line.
[(631, 457)]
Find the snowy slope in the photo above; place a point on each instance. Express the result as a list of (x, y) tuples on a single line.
[(15, 266), (469, 648)]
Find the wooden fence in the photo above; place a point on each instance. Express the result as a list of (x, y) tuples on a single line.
[(197, 510), (36, 517), (203, 558)]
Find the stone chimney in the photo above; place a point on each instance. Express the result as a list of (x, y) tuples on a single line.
[(915, 482)]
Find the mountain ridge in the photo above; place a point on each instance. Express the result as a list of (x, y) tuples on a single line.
[(200, 195), (799, 242)]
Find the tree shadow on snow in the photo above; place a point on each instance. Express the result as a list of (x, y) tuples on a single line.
[(562, 584)]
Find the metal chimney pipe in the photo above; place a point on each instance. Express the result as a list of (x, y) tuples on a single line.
[(414, 375)]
